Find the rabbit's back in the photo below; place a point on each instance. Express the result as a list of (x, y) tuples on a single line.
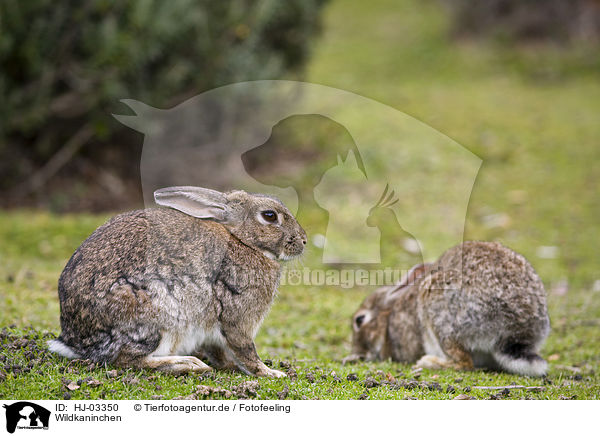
[(140, 274), (486, 297)]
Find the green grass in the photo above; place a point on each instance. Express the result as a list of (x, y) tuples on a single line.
[(530, 115), (311, 356), (307, 329)]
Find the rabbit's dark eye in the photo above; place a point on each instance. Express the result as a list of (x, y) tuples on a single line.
[(269, 216), (359, 320)]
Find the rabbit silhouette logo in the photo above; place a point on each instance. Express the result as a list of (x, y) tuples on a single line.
[(26, 415)]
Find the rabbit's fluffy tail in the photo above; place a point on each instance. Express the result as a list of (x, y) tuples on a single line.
[(522, 361), (59, 347)]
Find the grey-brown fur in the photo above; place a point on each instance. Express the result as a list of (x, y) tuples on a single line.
[(480, 304), (197, 281)]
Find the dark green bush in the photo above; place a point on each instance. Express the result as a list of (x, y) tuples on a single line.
[(64, 65)]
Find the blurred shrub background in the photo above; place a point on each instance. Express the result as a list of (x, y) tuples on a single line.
[(559, 21), (65, 66)]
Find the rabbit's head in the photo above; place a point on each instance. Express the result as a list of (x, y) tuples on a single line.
[(369, 327), (259, 221), (371, 322)]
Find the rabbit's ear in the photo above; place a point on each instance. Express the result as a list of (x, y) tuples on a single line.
[(194, 201), (410, 278), (414, 273)]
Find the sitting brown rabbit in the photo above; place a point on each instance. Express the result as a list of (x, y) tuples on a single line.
[(481, 304), (159, 288)]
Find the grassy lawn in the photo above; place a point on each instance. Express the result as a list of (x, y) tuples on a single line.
[(530, 115)]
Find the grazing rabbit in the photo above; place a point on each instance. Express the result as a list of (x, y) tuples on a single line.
[(161, 288), (480, 304)]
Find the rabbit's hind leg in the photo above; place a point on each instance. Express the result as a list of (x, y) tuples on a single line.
[(442, 350), (456, 357), (173, 364)]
